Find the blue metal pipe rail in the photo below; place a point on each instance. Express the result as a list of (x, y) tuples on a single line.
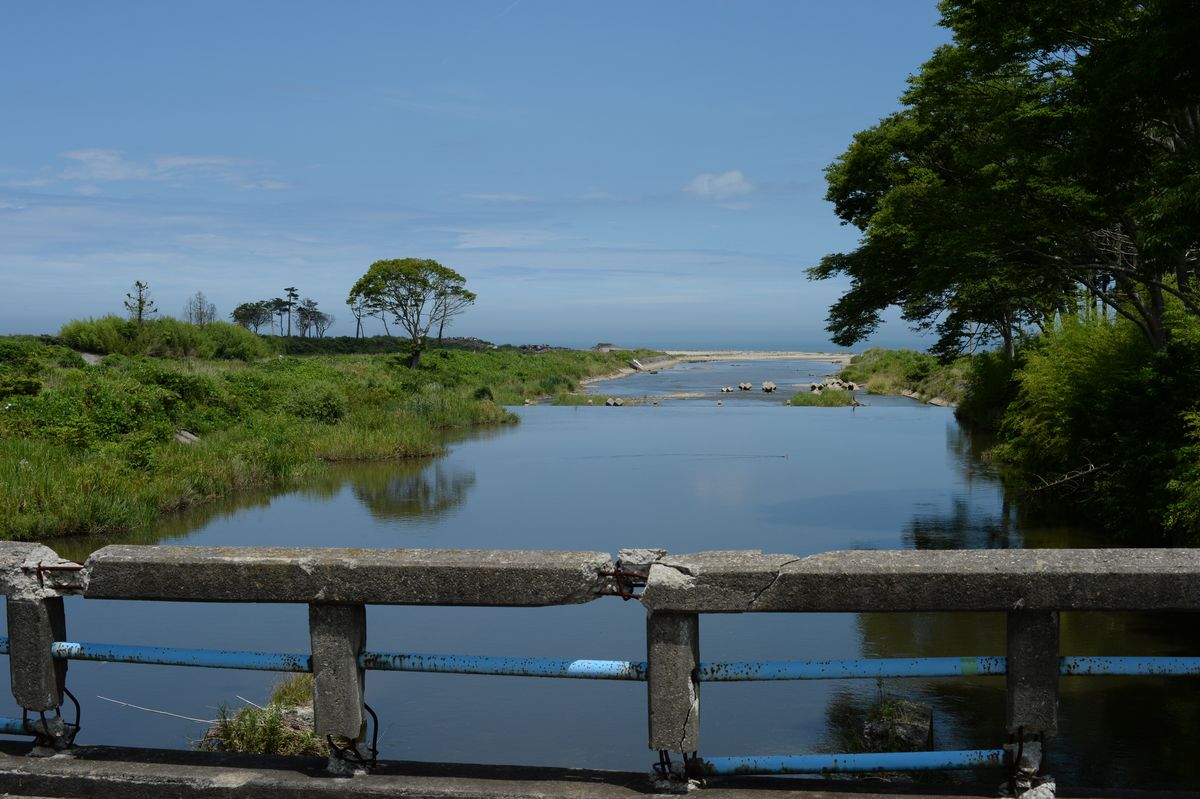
[(751, 670), (506, 666), (176, 656), (728, 671), (11, 726), (852, 764), (720, 671)]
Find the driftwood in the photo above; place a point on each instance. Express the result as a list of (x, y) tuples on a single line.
[(1070, 478)]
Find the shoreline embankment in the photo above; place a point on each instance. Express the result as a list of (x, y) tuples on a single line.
[(672, 358)]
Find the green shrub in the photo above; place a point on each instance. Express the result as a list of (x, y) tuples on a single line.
[(990, 388), (233, 342), (164, 337), (1092, 397), (105, 335), (320, 403)]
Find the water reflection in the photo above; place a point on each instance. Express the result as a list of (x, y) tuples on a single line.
[(963, 526), (425, 490), (1113, 730)]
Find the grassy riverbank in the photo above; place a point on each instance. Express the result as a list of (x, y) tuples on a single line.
[(92, 449), (897, 371)]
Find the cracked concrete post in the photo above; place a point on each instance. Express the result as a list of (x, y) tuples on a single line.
[(37, 678), (339, 635), (673, 688), (1033, 671)]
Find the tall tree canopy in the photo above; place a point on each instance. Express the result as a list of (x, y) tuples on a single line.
[(418, 293), (1051, 148)]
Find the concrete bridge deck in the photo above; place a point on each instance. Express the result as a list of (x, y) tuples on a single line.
[(166, 774)]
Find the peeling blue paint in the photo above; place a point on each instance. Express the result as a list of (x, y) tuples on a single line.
[(749, 670), (856, 763)]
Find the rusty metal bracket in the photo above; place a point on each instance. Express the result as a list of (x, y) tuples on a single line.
[(626, 582), (68, 566), (350, 754), (53, 733)]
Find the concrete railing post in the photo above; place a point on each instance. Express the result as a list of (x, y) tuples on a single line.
[(339, 635), (1032, 683), (673, 687), (37, 678)]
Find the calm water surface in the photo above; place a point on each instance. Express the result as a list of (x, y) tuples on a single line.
[(685, 475)]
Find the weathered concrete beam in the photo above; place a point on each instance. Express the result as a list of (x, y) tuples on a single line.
[(1032, 680), (672, 684), (944, 580), (37, 678), (339, 635), (373, 576)]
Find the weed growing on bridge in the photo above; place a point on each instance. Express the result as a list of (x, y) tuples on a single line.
[(282, 727)]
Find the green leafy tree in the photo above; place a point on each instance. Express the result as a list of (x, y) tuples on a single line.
[(279, 307), (947, 214), (139, 304), (1128, 83), (417, 293), (253, 315), (311, 319), (1050, 154)]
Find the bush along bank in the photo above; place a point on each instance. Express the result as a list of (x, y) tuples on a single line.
[(1099, 420), (1084, 416), (97, 449)]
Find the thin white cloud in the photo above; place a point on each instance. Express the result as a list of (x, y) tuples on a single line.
[(719, 188), (500, 198), (32, 183), (492, 238), (95, 165), (595, 196)]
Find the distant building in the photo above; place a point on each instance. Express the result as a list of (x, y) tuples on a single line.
[(604, 346)]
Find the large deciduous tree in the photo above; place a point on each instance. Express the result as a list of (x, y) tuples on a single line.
[(1050, 152), (418, 294), (253, 315)]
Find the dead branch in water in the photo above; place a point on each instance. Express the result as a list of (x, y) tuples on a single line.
[(1070, 477)]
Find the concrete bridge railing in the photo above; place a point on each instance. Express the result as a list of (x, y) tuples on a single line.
[(1030, 586)]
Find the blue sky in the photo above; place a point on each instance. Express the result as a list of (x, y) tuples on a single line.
[(648, 173)]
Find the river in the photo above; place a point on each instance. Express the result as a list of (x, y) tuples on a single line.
[(686, 475)]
